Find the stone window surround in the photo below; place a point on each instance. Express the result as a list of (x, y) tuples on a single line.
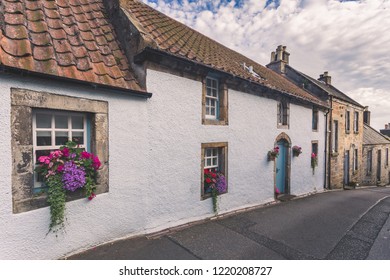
[(224, 149), (315, 120), (223, 103), (283, 115), (23, 102)]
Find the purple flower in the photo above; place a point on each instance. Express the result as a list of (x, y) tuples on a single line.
[(73, 176), (221, 183)]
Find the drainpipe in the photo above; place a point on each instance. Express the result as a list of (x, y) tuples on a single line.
[(326, 148), (329, 138)]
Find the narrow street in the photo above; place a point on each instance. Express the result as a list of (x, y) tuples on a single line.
[(337, 225)]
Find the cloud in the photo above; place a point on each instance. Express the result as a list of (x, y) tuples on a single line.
[(350, 39)]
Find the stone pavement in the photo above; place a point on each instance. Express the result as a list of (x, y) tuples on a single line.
[(350, 224)]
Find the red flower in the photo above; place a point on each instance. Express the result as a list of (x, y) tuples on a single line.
[(92, 196), (60, 167), (206, 171), (213, 175), (208, 180)]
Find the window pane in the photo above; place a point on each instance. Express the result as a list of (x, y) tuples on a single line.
[(214, 83), (43, 138), (214, 92), (61, 121), (78, 137), (215, 161), (208, 162), (212, 112), (208, 152), (43, 121), (61, 138), (208, 82), (77, 122)]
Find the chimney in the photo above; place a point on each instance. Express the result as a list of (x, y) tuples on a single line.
[(386, 126), (367, 116), (325, 78), (279, 59)]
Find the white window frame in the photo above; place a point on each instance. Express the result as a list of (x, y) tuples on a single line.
[(53, 130), (210, 98), (213, 158)]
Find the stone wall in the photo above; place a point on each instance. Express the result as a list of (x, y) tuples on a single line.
[(347, 141), (371, 178)]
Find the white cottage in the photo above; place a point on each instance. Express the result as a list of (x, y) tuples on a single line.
[(86, 71)]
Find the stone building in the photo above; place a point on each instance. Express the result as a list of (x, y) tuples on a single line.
[(344, 122), (375, 163)]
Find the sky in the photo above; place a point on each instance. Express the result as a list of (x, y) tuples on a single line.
[(349, 39)]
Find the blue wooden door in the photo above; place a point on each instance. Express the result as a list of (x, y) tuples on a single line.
[(281, 166)]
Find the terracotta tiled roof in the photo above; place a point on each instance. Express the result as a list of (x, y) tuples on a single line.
[(165, 34), (65, 38)]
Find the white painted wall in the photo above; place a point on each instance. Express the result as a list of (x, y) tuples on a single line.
[(155, 154)]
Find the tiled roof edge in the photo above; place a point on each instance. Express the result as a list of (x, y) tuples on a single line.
[(132, 92)]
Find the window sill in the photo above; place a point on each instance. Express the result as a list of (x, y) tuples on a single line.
[(280, 126), (334, 154), (314, 130), (208, 195), (214, 122)]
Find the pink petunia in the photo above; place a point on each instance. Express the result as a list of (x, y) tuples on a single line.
[(85, 155), (44, 159), (60, 168), (96, 163), (65, 152)]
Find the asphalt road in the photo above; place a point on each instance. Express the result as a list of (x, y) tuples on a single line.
[(338, 225)]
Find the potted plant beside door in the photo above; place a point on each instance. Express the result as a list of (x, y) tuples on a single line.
[(272, 154)]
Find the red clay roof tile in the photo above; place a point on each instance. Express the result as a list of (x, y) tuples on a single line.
[(61, 38), (43, 53), (14, 19)]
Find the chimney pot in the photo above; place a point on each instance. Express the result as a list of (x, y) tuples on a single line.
[(386, 126), (325, 78)]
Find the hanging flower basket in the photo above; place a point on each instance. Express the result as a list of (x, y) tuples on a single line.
[(274, 153), (66, 170), (314, 161), (215, 184), (296, 151)]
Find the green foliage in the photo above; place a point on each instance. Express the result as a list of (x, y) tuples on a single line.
[(214, 195), (56, 200)]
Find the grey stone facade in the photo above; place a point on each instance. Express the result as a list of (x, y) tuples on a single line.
[(376, 149)]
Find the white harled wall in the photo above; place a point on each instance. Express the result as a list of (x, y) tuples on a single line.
[(154, 161)]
